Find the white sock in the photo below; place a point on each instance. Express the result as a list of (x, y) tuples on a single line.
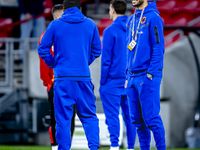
[(55, 147), (114, 148), (130, 149)]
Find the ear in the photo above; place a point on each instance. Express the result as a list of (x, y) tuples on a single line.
[(80, 9), (56, 16), (114, 12), (63, 9)]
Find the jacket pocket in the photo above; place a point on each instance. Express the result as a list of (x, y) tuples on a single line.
[(156, 34), (147, 88)]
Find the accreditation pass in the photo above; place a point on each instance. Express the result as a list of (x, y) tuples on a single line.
[(132, 45)]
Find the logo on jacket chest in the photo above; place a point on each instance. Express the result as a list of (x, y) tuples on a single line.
[(140, 32), (143, 20)]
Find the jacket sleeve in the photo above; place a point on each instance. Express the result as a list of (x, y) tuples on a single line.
[(45, 46), (22, 6), (95, 47), (108, 42), (44, 69), (158, 45), (44, 73)]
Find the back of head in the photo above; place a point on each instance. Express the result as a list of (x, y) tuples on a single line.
[(119, 6), (57, 11), (57, 7), (71, 3)]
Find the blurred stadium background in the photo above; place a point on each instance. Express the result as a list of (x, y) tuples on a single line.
[(23, 99)]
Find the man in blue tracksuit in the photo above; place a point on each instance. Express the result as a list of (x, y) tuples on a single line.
[(76, 45), (145, 51), (113, 75)]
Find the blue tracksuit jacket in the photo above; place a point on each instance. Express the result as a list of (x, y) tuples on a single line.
[(112, 64), (149, 50), (113, 72), (68, 46), (144, 93)]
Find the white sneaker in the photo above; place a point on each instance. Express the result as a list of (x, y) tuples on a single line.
[(114, 148), (130, 149), (55, 147)]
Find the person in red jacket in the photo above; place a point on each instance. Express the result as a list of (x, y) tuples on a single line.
[(47, 76)]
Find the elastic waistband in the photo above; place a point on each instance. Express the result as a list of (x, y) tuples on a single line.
[(131, 72), (73, 78)]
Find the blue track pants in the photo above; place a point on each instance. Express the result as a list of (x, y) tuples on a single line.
[(113, 96), (144, 99), (66, 94)]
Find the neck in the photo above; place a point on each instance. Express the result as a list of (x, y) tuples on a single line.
[(145, 4), (115, 17)]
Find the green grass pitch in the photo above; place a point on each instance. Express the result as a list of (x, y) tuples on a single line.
[(6, 147)]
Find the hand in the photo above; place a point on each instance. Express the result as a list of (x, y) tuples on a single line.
[(28, 16), (125, 86), (150, 76)]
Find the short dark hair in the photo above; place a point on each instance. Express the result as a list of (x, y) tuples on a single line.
[(119, 6), (57, 7), (71, 3)]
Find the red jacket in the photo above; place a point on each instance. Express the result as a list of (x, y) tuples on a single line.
[(46, 73)]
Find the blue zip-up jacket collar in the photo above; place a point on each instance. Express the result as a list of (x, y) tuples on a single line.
[(73, 15), (76, 45), (113, 61), (148, 53)]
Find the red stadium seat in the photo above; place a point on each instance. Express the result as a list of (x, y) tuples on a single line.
[(182, 20), (5, 30), (172, 40), (192, 6), (178, 13), (196, 22), (166, 6), (105, 22), (166, 17), (167, 32), (178, 19), (5, 27)]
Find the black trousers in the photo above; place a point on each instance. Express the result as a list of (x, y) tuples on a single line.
[(52, 130)]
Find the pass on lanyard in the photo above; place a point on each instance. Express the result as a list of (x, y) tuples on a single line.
[(133, 42)]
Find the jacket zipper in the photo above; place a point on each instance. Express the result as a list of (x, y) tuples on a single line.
[(133, 56)]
